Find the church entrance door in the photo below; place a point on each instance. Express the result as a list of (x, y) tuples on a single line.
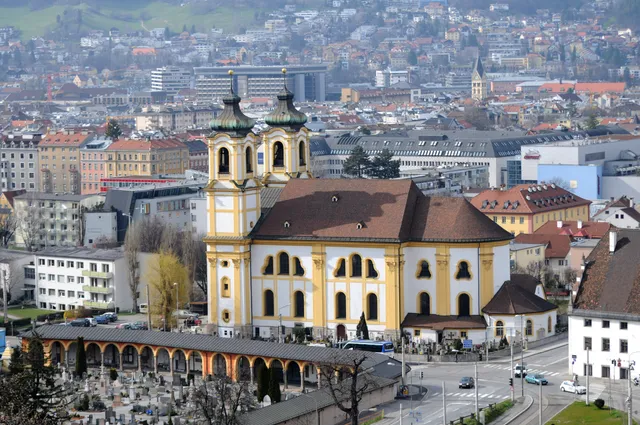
[(341, 333)]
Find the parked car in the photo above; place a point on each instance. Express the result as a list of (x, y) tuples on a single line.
[(92, 322), (536, 379), (102, 319), (192, 321), (466, 382), (123, 326), (520, 369), (111, 315), (184, 314), (572, 387), (140, 326), (80, 323)]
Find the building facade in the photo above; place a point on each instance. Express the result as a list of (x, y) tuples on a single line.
[(93, 161), (146, 157), (175, 119), (59, 159), (170, 79), (19, 162)]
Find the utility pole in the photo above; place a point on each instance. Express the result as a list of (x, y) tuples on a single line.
[(400, 413), (540, 403), (522, 355), (404, 371), (149, 309), (444, 404), (588, 366), (475, 390), (630, 410), (513, 392)]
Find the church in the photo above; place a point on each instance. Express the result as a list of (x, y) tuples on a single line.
[(285, 249)]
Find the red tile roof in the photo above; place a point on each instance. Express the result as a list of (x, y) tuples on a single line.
[(590, 229), (65, 139), (600, 87), (527, 199), (558, 246), (145, 145)]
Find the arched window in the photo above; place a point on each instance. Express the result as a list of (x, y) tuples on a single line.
[(372, 273), (299, 271), (269, 307), (340, 268), (268, 266), (425, 303), (278, 154), (298, 303), (499, 329), (223, 161), (248, 159), (464, 305), (356, 265), (549, 325), (372, 307), (283, 263), (302, 154), (341, 305), (529, 328), (423, 270), (463, 271), (225, 286)]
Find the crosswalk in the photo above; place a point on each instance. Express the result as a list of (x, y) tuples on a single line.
[(529, 371), (471, 394)]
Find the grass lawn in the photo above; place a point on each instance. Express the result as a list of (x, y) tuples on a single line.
[(31, 313), (580, 414)]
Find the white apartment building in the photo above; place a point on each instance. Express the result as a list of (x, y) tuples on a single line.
[(170, 79)]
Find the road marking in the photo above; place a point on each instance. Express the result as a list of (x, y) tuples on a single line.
[(483, 395), (558, 361), (505, 397), (449, 395)]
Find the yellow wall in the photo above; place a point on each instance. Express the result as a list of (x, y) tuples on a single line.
[(517, 227), (145, 162), (567, 214), (523, 257), (532, 222)]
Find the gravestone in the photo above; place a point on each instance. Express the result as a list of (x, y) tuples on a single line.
[(117, 400), (108, 414), (266, 401)]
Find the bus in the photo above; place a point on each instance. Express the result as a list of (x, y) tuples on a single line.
[(383, 347), (144, 308)]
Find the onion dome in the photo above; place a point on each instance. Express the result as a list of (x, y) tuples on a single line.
[(232, 120), (285, 114)]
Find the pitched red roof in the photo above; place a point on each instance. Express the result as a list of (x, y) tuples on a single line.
[(589, 229), (526, 199), (558, 246), (145, 145), (71, 139)]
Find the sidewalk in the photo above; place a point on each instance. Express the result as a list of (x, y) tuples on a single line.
[(521, 405)]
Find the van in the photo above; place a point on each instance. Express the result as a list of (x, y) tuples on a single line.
[(144, 308)]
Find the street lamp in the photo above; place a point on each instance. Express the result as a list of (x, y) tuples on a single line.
[(280, 333)]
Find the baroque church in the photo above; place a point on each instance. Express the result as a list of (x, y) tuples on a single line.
[(287, 249)]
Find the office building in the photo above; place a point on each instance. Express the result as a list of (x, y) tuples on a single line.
[(175, 119), (170, 79)]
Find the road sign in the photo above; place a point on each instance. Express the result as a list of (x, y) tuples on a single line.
[(467, 343), (573, 356)]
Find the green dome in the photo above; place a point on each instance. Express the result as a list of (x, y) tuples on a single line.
[(285, 114), (232, 120)]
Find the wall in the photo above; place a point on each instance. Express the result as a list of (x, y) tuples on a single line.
[(513, 326), (100, 225), (582, 180), (617, 186), (525, 256), (618, 218), (570, 214)]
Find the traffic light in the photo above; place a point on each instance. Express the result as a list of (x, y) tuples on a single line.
[(421, 374), (511, 382)]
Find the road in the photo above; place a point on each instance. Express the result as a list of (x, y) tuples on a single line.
[(493, 387)]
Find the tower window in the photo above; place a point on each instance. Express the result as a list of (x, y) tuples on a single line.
[(302, 154), (423, 270), (463, 271), (278, 154), (356, 266), (269, 308), (225, 287), (268, 266), (283, 263), (248, 159), (223, 161)]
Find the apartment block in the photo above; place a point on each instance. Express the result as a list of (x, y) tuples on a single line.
[(170, 79), (146, 157), (19, 162), (59, 159), (93, 160)]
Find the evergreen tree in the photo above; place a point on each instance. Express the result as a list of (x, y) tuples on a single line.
[(412, 58), (357, 163), (383, 166), (362, 330), (113, 130), (17, 361), (184, 28), (263, 382), (626, 76), (193, 28), (563, 54), (574, 55), (167, 33), (592, 122), (81, 358), (274, 386)]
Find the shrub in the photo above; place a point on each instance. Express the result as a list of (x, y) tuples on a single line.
[(599, 403), (457, 344), (83, 404), (113, 374)]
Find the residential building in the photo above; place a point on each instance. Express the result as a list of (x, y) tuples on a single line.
[(198, 207), (170, 79), (576, 230), (51, 219), (59, 159), (604, 316), (198, 155), (175, 119), (93, 160), (556, 253), (526, 208), (620, 213), (524, 254), (18, 276), (146, 157), (19, 162)]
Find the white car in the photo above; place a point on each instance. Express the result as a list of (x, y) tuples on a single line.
[(520, 369), (184, 314), (572, 387)]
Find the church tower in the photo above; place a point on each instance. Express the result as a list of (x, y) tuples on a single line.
[(233, 209), (286, 143), (478, 81)]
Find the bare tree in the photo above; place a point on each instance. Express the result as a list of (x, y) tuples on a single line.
[(194, 258), (10, 278), (131, 252), (347, 393), (151, 230), (172, 240), (221, 401), (29, 222), (8, 226)]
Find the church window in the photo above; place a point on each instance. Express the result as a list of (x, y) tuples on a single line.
[(372, 307), (463, 271), (340, 268), (500, 328), (298, 303), (302, 154), (224, 263), (269, 304), (223, 161), (464, 305), (278, 154), (424, 271), (549, 325), (268, 266), (529, 328), (226, 287), (248, 159), (372, 273), (299, 271), (283, 263), (341, 305), (425, 303), (356, 265)]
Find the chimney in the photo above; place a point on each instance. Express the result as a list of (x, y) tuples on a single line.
[(631, 202), (559, 223), (579, 224), (613, 241)]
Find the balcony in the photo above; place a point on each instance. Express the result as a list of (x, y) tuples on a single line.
[(99, 275), (97, 289), (97, 304)]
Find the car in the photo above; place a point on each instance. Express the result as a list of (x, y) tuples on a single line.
[(92, 322), (572, 387), (113, 317), (536, 379), (102, 319), (184, 314), (520, 369), (123, 326), (80, 323), (139, 326), (466, 382)]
